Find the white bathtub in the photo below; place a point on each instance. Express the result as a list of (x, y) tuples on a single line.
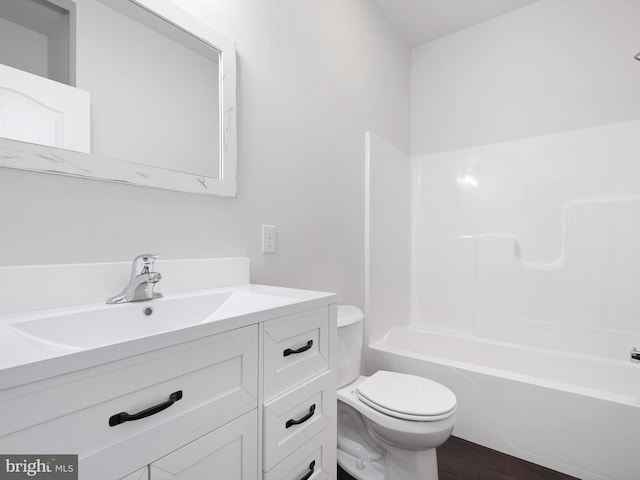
[(573, 413)]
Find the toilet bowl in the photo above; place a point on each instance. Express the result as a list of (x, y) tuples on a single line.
[(389, 424)]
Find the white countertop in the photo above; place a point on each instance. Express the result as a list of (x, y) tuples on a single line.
[(24, 359)]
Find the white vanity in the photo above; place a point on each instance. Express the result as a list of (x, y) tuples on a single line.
[(226, 382)]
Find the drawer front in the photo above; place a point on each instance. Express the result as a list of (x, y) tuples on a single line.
[(315, 460), (217, 380), (230, 452), (296, 417), (296, 348)]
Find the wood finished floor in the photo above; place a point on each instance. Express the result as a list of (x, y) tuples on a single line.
[(462, 460)]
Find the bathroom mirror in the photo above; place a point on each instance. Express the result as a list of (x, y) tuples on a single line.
[(162, 86)]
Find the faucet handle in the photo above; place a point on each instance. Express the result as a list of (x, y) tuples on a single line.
[(144, 263)]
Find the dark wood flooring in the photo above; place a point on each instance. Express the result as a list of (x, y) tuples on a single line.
[(462, 460)]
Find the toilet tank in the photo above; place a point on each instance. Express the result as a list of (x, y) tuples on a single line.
[(350, 325)]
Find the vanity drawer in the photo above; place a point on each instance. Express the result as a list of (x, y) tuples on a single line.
[(216, 377), (314, 460), (296, 417), (228, 453), (296, 348)]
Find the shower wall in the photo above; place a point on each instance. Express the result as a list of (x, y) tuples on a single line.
[(534, 241), (389, 195)]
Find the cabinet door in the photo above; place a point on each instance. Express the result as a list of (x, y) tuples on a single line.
[(230, 452), (218, 376), (142, 474)]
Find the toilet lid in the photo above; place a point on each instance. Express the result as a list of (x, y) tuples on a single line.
[(406, 396)]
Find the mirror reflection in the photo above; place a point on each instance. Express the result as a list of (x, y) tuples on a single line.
[(155, 89)]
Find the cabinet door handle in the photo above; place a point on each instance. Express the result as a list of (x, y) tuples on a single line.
[(312, 467), (288, 351), (291, 422), (122, 417)]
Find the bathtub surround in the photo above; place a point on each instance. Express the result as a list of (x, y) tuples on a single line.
[(388, 225), (523, 281), (541, 254)]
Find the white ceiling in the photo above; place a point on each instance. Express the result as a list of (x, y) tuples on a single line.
[(420, 21)]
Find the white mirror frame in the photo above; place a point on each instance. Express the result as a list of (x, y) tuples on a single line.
[(25, 156)]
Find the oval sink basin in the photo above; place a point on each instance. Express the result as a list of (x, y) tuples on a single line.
[(110, 324)]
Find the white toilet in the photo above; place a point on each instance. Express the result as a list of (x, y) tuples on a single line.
[(389, 424)]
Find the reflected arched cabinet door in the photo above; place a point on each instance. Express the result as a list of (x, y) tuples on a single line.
[(37, 110)]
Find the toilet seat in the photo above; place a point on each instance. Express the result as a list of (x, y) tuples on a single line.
[(407, 397)]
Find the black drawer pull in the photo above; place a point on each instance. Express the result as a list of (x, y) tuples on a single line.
[(312, 467), (292, 422), (122, 417), (288, 351)]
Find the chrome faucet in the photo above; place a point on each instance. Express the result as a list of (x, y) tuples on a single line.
[(142, 281)]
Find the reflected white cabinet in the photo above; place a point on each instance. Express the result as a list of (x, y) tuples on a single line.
[(38, 110)]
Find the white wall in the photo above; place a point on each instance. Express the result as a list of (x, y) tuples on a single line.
[(313, 76), (552, 66)]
